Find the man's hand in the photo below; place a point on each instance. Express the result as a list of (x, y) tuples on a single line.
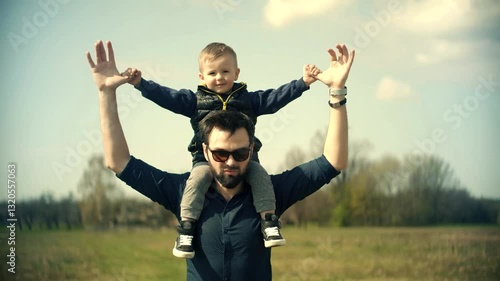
[(336, 75), (134, 75), (309, 73), (105, 73)]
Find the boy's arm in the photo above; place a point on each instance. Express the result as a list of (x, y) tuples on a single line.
[(270, 101), (178, 101)]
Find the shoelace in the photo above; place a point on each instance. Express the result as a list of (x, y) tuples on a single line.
[(272, 231), (185, 240)]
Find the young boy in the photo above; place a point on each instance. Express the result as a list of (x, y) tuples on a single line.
[(218, 71)]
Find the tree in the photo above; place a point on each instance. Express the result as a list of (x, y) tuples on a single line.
[(423, 198), (342, 186), (97, 188)]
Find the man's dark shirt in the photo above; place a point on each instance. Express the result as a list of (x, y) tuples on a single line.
[(228, 241)]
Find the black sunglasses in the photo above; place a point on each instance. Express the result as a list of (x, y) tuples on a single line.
[(239, 155)]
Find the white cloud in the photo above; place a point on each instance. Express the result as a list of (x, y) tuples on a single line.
[(438, 51), (436, 17), (391, 89), (432, 17), (279, 13)]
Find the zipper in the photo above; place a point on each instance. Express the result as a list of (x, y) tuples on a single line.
[(224, 102)]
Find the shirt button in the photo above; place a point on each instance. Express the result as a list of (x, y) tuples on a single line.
[(225, 230)]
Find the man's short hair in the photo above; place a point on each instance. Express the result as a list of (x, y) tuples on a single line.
[(228, 121), (215, 50)]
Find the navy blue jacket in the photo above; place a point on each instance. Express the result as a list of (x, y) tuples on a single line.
[(197, 105), (228, 242)]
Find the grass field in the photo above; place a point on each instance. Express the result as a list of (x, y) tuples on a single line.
[(440, 253)]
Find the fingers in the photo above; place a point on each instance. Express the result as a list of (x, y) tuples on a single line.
[(333, 55), (343, 53), (89, 59), (100, 52), (313, 70), (131, 72), (97, 51), (132, 76), (111, 53), (351, 58)]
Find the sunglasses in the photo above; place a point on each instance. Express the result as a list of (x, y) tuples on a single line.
[(239, 155)]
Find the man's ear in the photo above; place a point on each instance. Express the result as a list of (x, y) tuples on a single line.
[(200, 76), (205, 150)]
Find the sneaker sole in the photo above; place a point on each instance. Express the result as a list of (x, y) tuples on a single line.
[(181, 254), (274, 243)]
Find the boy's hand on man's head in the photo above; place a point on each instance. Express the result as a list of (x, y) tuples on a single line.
[(134, 75), (309, 74)]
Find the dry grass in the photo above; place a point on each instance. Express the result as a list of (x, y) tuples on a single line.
[(441, 253)]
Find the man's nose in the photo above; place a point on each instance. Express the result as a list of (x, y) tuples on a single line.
[(230, 160)]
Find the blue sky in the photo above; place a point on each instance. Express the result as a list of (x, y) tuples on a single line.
[(426, 79)]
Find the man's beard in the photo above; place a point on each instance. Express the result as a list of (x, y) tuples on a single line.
[(228, 181)]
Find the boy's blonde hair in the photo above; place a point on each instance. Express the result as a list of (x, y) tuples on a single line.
[(215, 50)]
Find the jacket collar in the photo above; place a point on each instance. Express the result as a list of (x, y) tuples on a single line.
[(236, 88)]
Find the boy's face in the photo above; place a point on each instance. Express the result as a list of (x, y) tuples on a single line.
[(219, 75)]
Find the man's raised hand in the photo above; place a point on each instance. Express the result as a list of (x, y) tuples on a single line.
[(104, 71), (336, 75)]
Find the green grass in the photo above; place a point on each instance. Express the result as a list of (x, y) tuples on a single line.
[(440, 253)]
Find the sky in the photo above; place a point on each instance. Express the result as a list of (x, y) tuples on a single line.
[(426, 79)]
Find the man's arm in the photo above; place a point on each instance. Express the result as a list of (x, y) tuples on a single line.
[(107, 79), (298, 183), (335, 76), (164, 188)]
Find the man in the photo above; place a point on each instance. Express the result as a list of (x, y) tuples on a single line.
[(228, 247)]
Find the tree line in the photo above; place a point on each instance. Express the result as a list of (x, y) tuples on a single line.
[(416, 190)]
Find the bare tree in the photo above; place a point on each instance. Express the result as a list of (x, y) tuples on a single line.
[(97, 188)]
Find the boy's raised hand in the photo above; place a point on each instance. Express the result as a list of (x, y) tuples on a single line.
[(309, 73), (336, 75), (134, 75)]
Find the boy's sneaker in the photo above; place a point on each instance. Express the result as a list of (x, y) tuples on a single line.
[(184, 243), (270, 227)]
